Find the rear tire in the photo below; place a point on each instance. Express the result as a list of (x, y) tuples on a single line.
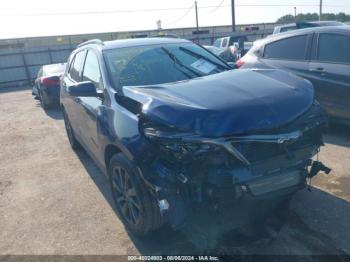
[(43, 101), (70, 132), (134, 204)]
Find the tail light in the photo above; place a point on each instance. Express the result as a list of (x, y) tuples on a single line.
[(50, 81), (239, 63)]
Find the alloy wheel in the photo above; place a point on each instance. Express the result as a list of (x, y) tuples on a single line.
[(125, 195)]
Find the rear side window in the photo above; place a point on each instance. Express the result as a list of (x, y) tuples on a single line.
[(292, 48), (334, 48), (76, 66)]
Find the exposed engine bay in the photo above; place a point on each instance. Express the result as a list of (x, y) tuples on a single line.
[(192, 170)]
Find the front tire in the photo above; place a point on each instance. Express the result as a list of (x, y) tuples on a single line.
[(134, 203)]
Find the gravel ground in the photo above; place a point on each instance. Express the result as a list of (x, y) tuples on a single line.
[(55, 201)]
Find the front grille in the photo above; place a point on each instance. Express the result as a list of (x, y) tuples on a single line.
[(259, 151), (275, 183)]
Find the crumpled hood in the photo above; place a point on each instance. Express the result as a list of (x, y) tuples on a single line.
[(232, 102)]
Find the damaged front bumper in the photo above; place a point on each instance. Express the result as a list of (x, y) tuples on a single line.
[(187, 170)]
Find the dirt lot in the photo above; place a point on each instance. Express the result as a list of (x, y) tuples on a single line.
[(56, 201)]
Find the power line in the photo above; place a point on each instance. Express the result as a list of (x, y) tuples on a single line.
[(217, 7), (164, 9), (182, 17)]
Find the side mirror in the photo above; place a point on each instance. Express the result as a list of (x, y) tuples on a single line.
[(84, 89)]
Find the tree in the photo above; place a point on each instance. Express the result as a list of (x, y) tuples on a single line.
[(342, 17), (286, 19)]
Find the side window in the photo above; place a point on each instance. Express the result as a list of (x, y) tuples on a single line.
[(224, 42), (334, 48), (292, 48), (217, 43), (231, 42), (76, 66), (92, 70)]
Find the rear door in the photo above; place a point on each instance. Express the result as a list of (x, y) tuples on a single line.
[(291, 54), (330, 72)]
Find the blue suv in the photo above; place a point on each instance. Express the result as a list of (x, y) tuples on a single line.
[(174, 128)]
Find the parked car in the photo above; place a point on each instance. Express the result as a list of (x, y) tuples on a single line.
[(320, 55), (47, 84), (222, 54), (215, 50), (302, 25), (232, 47), (173, 128), (225, 42), (246, 47)]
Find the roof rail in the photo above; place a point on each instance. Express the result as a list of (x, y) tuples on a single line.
[(92, 41)]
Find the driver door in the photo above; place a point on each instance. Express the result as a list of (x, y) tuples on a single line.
[(91, 106)]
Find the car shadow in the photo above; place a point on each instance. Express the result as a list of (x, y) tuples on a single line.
[(338, 134), (54, 113), (316, 224)]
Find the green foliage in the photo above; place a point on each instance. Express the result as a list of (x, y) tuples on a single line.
[(342, 17)]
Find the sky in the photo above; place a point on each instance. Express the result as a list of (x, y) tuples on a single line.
[(26, 18)]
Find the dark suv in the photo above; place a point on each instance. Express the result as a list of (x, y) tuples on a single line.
[(321, 55), (173, 127)]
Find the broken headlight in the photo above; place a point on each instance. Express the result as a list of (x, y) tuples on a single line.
[(179, 142)]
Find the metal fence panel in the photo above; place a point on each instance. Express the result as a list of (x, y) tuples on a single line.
[(12, 74), (20, 59), (37, 58), (10, 60), (60, 56), (33, 71)]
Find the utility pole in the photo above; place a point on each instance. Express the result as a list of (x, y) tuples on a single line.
[(195, 4), (233, 15), (295, 13), (320, 18)]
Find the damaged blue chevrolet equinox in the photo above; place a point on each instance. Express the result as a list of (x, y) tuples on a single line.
[(174, 128)]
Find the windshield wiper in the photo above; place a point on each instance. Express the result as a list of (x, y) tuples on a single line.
[(178, 62), (203, 57)]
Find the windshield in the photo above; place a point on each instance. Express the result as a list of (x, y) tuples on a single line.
[(158, 64)]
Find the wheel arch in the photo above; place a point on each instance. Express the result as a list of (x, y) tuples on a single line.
[(109, 152)]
